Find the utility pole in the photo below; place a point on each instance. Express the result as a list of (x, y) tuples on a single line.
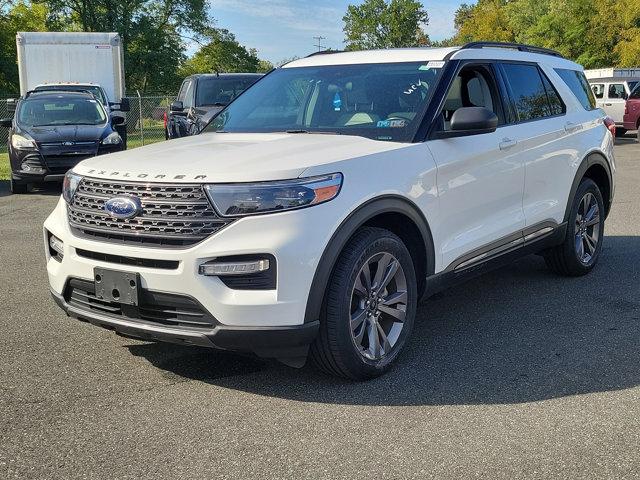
[(319, 45)]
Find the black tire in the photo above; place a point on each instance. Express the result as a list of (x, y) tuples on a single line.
[(335, 349), (18, 188), (566, 259), (620, 132), (638, 135)]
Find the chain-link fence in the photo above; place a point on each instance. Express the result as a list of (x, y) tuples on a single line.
[(145, 121)]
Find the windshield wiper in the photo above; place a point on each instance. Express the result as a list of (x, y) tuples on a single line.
[(312, 132), (216, 104)]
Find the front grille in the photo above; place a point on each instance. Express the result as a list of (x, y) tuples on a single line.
[(172, 214), (62, 163), (134, 261), (154, 308)]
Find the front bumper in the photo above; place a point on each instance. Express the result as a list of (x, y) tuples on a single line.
[(285, 343)]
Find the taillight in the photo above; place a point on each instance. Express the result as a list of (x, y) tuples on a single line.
[(611, 125), (164, 119)]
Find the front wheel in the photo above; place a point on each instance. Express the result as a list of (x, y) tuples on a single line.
[(582, 245), (369, 309)]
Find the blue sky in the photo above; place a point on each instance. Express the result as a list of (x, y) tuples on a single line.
[(280, 29)]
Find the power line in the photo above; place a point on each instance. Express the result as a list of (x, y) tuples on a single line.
[(319, 38)]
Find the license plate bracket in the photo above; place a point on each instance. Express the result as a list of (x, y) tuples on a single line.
[(116, 286)]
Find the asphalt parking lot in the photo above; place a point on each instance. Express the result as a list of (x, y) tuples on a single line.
[(519, 374)]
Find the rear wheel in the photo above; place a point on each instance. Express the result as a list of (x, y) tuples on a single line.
[(369, 308), (18, 187), (582, 245)]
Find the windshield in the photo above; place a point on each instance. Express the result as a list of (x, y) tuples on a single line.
[(93, 89), (37, 112), (220, 91), (377, 101)]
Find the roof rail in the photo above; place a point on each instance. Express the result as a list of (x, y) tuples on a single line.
[(323, 52), (515, 46)]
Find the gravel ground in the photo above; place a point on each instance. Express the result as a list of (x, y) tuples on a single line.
[(518, 374)]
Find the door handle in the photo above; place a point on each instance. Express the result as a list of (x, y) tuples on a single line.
[(608, 104), (571, 127), (507, 143)]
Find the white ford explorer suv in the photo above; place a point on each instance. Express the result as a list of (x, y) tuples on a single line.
[(318, 208)]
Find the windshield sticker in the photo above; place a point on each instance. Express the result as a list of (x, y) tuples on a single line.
[(337, 102), (411, 89), (432, 64), (392, 123)]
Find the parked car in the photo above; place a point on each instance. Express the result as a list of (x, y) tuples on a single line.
[(315, 210), (611, 95), (52, 131), (632, 112), (201, 97), (113, 109)]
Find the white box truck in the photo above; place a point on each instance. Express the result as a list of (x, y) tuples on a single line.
[(71, 58)]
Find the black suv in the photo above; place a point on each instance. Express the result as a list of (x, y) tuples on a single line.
[(52, 131), (200, 98)]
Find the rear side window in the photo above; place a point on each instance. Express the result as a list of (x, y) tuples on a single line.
[(598, 90), (577, 83), (532, 99), (616, 90)]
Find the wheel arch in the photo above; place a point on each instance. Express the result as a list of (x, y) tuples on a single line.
[(395, 213), (596, 167)]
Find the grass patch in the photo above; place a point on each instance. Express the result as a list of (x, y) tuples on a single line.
[(5, 169)]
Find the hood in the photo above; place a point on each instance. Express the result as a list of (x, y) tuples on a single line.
[(65, 133), (231, 157)]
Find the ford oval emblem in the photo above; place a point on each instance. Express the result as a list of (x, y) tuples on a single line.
[(123, 207)]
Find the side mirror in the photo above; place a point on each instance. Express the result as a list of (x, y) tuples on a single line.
[(176, 106), (625, 95), (470, 121), (125, 106), (11, 105), (6, 122), (117, 120)]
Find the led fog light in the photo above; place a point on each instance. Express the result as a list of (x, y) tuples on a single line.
[(56, 247), (214, 268)]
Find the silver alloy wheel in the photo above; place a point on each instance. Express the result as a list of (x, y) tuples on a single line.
[(587, 228), (378, 306)]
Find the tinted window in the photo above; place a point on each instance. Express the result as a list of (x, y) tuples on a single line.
[(529, 93), (616, 90), (220, 91), (556, 105), (636, 92), (378, 101), (577, 83), (632, 85)]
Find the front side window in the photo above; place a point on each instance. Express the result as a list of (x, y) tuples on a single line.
[(598, 90), (531, 98), (377, 101), (636, 92), (577, 83), (474, 86), (219, 92), (616, 90), (38, 112)]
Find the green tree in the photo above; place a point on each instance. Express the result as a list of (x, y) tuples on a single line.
[(385, 24), (16, 17), (223, 54)]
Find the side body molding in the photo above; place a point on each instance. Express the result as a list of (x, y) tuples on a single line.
[(358, 218)]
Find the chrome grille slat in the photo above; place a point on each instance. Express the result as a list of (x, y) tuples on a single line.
[(175, 212)]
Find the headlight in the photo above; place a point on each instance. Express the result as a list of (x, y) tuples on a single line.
[(112, 139), (69, 185), (21, 143), (240, 199)]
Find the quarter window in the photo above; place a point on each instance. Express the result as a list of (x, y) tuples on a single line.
[(577, 83), (533, 95)]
